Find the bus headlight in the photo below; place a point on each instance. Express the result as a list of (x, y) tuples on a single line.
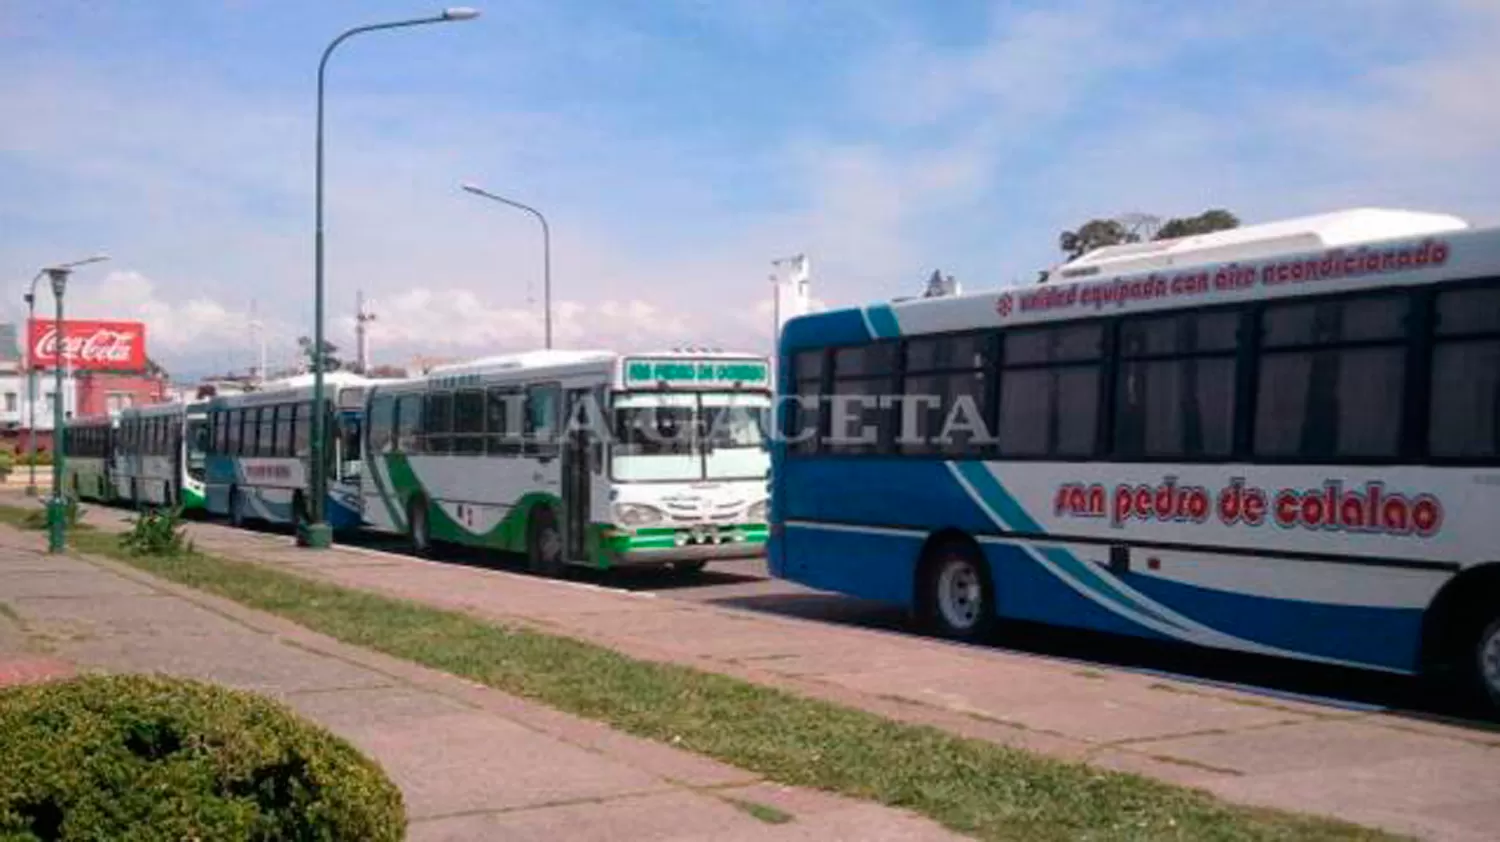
[(636, 514), (756, 513)]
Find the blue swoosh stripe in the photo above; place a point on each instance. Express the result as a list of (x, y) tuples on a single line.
[(1004, 505), (883, 321)]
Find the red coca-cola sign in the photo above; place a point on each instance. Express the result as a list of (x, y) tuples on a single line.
[(88, 345)]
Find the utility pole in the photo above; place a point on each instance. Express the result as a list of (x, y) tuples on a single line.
[(258, 335), (791, 279), (362, 316)]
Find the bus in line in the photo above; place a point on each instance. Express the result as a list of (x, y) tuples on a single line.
[(259, 452), (1282, 439), (160, 454), (89, 444), (576, 457)]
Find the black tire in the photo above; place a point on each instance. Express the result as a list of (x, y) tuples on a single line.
[(1484, 664), (418, 527), (236, 509), (543, 543), (688, 568), (956, 597)]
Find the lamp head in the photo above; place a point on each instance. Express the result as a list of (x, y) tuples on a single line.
[(471, 187), (460, 13), (59, 278)]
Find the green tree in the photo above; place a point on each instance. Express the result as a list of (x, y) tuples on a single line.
[(330, 362), (1209, 221), (1094, 234)]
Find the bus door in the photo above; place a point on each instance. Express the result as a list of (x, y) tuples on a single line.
[(178, 449), (350, 450), (575, 474)]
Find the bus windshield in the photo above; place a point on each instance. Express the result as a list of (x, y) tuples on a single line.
[(197, 447), (666, 436)]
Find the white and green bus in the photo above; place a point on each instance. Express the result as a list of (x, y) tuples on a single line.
[(159, 455), (576, 457), (89, 444)]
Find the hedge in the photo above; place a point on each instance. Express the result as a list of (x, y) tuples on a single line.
[(139, 757)]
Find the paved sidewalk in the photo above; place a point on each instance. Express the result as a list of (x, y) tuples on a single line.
[(473, 763), (1432, 780)]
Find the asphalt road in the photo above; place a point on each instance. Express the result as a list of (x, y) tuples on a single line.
[(746, 585)]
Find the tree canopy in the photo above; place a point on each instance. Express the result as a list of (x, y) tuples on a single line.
[(329, 360), (1098, 233)]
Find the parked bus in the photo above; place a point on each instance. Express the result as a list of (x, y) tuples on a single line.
[(89, 445), (1283, 439), (259, 452), (591, 458), (159, 453)]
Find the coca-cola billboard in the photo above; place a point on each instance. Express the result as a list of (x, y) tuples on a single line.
[(87, 345)]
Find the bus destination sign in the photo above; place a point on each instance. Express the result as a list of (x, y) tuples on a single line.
[(696, 373)]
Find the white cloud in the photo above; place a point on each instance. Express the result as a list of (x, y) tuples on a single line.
[(961, 153), (175, 325)]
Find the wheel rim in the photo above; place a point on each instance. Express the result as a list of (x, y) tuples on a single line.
[(419, 529), (549, 544), (1489, 660), (960, 594)]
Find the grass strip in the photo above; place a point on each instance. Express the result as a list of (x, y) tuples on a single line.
[(971, 786)]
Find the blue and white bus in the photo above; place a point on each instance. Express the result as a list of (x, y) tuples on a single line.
[(159, 455), (1283, 439), (259, 457)]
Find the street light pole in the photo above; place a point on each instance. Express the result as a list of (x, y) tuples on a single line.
[(546, 253), (317, 533), (30, 298), (31, 388)]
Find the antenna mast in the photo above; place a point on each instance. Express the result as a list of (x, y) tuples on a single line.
[(362, 317)]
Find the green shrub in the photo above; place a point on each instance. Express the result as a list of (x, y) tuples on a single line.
[(7, 464), (157, 532), (139, 757), (43, 457), (37, 518)]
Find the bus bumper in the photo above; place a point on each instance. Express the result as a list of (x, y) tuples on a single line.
[(655, 547)]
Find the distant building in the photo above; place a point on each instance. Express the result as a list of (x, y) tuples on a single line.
[(83, 393)]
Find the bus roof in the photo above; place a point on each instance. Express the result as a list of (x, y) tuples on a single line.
[(296, 388), (153, 410), (524, 361), (1332, 253), (91, 420), (1307, 233)]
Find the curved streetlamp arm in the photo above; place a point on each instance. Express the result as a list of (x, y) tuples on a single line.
[(546, 252), (319, 468)]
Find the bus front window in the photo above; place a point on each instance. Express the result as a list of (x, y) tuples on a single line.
[(661, 437), (735, 436), (197, 448), (654, 437)]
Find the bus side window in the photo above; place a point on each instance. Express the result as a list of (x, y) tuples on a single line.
[(541, 420), (437, 422), (382, 409), (409, 420)]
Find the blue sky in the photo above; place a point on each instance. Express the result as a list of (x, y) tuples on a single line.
[(680, 145)]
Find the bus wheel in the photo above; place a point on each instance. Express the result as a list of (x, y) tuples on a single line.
[(236, 508), (543, 543), (957, 599), (1486, 664), (688, 568), (418, 528)]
